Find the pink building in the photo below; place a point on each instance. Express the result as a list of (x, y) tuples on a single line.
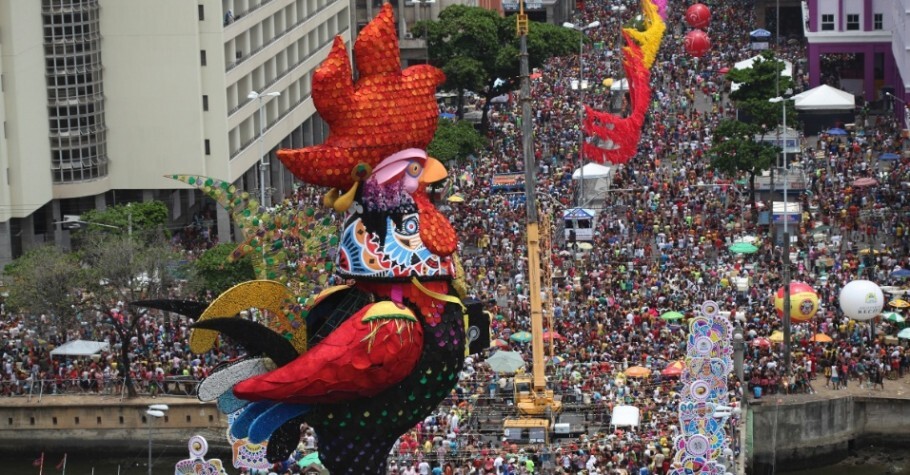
[(859, 46)]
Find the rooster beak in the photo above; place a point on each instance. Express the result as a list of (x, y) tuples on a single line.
[(433, 171)]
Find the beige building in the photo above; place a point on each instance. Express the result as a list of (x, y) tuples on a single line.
[(100, 99)]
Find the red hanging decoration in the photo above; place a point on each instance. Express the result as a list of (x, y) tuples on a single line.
[(697, 43), (616, 137), (698, 15)]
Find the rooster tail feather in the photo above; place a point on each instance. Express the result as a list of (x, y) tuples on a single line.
[(223, 379), (272, 419), (284, 440), (241, 426), (188, 308), (229, 404), (257, 339)]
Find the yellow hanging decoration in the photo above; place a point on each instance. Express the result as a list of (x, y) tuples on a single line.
[(650, 39)]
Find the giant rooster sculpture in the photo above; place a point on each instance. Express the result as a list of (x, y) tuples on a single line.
[(376, 356)]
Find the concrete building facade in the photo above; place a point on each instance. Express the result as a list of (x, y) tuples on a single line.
[(100, 99), (868, 37)]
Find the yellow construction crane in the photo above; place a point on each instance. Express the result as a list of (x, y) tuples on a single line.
[(536, 404)]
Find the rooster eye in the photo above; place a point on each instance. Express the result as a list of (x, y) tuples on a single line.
[(410, 226), (414, 169)]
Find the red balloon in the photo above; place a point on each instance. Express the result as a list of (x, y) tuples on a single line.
[(697, 43), (698, 15)]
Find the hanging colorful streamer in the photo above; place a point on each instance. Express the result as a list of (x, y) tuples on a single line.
[(703, 438)]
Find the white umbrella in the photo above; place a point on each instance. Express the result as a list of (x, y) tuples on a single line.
[(505, 361)]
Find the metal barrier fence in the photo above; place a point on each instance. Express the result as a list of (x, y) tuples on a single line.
[(173, 386)]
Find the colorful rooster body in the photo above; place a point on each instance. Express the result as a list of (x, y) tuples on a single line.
[(382, 352)]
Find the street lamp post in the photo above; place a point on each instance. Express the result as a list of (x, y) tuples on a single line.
[(157, 411), (263, 163), (785, 274), (582, 86), (906, 109)]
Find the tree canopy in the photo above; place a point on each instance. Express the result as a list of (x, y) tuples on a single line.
[(47, 281), (214, 270), (478, 50), (760, 83), (147, 219), (455, 140)]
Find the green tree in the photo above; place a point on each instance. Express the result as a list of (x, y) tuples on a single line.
[(47, 281), (124, 269), (734, 150), (214, 270), (760, 83), (146, 219), (478, 51), (455, 140)]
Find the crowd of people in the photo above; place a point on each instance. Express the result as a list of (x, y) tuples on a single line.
[(659, 244)]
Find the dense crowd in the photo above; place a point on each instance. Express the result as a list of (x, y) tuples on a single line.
[(660, 244)]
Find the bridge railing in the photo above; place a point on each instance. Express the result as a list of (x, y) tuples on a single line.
[(38, 389)]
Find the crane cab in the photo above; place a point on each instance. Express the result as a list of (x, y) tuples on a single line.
[(524, 431)]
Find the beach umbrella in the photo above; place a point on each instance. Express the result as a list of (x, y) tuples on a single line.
[(777, 336), (505, 361), (637, 372), (904, 334), (742, 248), (821, 338), (555, 360), (893, 317), (671, 316), (865, 181), (761, 342), (499, 343), (724, 70), (836, 131), (674, 369), (521, 337), (901, 273), (548, 334), (869, 250), (455, 199), (887, 156), (899, 303)]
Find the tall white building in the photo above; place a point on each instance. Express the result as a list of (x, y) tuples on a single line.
[(100, 99)]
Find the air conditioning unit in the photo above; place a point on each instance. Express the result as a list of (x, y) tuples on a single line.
[(71, 222), (409, 36)]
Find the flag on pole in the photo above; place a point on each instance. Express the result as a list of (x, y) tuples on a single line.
[(62, 464), (39, 461)]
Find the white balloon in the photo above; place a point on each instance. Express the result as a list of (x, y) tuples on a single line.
[(862, 300)]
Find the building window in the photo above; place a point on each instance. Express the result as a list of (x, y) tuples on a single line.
[(201, 12), (828, 22), (205, 102), (853, 21), (878, 21), (208, 147), (202, 58)]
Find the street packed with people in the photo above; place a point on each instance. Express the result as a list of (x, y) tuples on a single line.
[(660, 244)]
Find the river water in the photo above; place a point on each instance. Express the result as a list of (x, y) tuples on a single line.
[(865, 461), (77, 464)]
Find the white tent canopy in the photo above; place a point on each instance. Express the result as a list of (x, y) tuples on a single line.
[(80, 348), (824, 98), (625, 416), (747, 64), (591, 172)]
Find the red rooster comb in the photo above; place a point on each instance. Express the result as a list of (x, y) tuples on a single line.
[(385, 111)]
